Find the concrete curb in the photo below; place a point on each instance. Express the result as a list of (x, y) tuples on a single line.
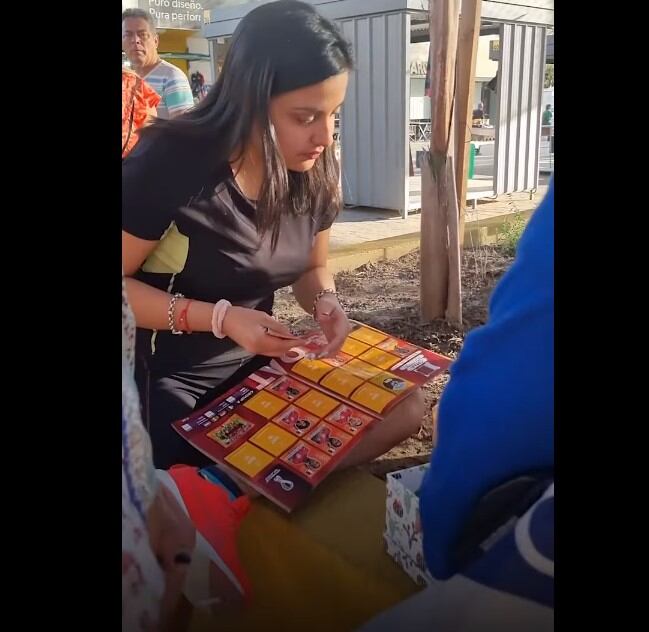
[(479, 232)]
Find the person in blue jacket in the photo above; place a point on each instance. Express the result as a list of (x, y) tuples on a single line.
[(495, 426), (496, 416)]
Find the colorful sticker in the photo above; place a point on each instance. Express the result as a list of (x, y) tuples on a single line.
[(398, 347), (341, 382), (349, 419), (306, 459), (328, 438), (379, 358), (249, 459), (419, 364), (298, 421), (339, 359), (288, 389), (231, 431), (317, 403), (273, 439), (392, 383), (265, 404), (315, 339), (368, 336), (372, 397)]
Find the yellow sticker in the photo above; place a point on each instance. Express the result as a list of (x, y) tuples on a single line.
[(341, 381), (372, 397), (361, 369), (317, 403), (354, 347), (392, 383), (380, 358), (265, 404), (369, 336), (273, 439), (313, 370), (249, 459)]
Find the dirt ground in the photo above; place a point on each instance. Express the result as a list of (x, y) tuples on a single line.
[(386, 296)]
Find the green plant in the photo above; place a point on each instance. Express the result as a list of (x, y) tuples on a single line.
[(549, 76), (510, 232)]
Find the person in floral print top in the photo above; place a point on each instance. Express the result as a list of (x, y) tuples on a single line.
[(139, 103), (154, 527)]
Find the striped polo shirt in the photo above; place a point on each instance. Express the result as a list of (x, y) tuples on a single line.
[(173, 87)]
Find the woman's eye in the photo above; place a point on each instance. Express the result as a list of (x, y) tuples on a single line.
[(308, 120)]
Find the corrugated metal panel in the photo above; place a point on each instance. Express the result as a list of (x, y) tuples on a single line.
[(374, 118), (520, 91), (224, 19)]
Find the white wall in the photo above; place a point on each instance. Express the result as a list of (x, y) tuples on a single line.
[(485, 68), (548, 98), (419, 108), (418, 51), (201, 46), (477, 94), (485, 71)]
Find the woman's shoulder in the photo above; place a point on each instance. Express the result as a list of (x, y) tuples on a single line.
[(170, 154), (168, 164)]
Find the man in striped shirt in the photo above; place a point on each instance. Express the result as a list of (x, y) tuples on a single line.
[(140, 43)]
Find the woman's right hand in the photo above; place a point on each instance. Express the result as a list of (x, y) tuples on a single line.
[(258, 333)]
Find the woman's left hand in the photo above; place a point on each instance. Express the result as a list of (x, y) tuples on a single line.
[(334, 323), (172, 537)]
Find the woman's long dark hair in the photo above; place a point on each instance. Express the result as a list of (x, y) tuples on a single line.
[(277, 47)]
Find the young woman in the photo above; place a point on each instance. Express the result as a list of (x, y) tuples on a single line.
[(229, 202)]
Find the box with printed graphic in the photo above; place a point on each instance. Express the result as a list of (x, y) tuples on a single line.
[(403, 532), (284, 428)]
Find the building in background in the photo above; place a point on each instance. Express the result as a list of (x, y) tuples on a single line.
[(386, 93)]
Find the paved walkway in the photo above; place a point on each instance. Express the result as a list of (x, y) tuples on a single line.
[(360, 225)]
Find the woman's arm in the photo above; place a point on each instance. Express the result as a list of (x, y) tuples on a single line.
[(317, 277), (253, 330), (328, 312), (150, 305)]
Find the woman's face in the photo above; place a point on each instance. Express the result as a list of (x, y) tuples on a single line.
[(304, 120)]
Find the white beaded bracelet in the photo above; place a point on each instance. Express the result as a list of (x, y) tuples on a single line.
[(218, 314)]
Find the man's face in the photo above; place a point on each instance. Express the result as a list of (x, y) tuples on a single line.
[(139, 43)]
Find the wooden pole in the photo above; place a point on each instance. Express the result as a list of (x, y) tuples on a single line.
[(440, 271), (433, 249), (467, 52), (444, 22), (454, 296)]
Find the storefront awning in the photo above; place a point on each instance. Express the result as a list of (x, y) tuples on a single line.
[(185, 56)]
